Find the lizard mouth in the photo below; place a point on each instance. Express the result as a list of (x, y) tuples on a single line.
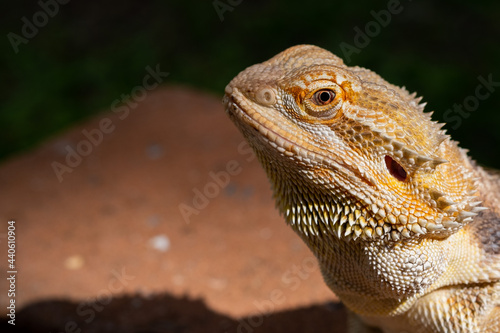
[(282, 142)]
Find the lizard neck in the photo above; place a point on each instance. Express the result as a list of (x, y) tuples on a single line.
[(394, 275)]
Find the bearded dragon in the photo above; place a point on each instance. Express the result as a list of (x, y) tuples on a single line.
[(404, 225)]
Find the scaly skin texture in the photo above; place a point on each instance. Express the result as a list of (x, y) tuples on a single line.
[(404, 224)]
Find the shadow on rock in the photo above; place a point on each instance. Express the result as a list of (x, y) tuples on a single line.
[(167, 314)]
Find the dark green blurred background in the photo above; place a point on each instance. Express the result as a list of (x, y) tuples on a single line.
[(90, 53)]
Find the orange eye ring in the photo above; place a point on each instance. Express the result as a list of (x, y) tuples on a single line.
[(325, 102)]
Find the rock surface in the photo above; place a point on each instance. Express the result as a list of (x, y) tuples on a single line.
[(159, 220)]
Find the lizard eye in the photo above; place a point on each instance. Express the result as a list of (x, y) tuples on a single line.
[(395, 169), (324, 102), (323, 97)]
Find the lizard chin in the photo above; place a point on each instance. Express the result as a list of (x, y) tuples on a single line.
[(299, 207)]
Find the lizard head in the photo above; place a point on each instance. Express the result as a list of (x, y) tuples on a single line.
[(348, 153)]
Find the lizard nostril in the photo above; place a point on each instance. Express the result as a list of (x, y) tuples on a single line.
[(396, 170), (266, 96)]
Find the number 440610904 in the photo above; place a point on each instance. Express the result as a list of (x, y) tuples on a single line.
[(12, 244)]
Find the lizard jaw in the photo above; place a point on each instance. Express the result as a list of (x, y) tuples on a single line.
[(282, 143)]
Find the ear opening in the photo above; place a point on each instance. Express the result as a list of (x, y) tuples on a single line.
[(395, 169)]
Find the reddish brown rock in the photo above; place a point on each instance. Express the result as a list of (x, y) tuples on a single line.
[(113, 226)]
